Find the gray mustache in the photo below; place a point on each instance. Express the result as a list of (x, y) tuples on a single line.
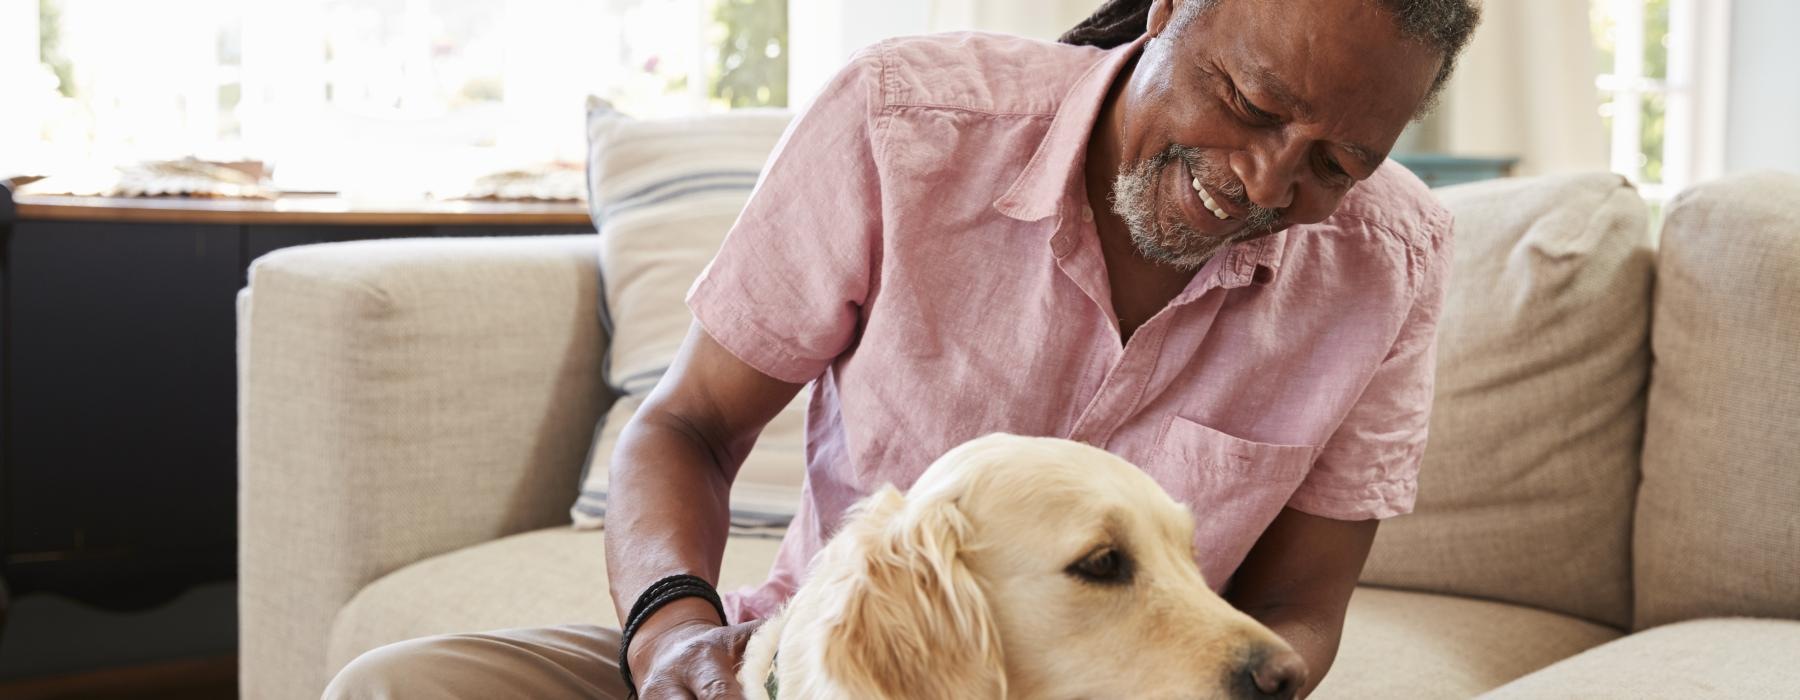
[(1223, 181)]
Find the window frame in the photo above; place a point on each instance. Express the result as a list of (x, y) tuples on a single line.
[(1693, 93)]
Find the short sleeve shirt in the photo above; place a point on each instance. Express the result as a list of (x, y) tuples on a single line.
[(920, 249)]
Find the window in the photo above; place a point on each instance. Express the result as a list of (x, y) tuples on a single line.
[(383, 96), (1662, 89)]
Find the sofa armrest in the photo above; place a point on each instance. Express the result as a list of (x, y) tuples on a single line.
[(399, 399)]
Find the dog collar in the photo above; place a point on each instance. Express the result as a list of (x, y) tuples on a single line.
[(770, 685)]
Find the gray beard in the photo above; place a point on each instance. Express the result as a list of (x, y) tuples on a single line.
[(1161, 234)]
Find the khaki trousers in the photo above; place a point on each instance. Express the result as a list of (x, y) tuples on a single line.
[(565, 661)]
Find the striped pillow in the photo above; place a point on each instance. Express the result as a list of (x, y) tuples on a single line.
[(663, 193)]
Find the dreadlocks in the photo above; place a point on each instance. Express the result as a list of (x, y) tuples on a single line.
[(1116, 23), (1444, 25)]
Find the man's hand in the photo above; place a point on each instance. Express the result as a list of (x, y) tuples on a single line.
[(690, 658), (1297, 580)]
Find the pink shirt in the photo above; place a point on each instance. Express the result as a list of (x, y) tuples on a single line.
[(920, 247)]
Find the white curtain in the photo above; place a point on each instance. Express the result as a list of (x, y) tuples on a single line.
[(1524, 89)]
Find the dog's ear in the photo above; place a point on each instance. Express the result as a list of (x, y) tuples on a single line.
[(915, 623)]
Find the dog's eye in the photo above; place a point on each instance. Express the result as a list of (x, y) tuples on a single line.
[(1104, 565)]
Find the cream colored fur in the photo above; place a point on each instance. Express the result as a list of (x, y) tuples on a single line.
[(962, 589)]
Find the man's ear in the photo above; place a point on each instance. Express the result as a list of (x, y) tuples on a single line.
[(1160, 13), (915, 622)]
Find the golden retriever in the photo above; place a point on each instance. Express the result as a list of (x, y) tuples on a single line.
[(1019, 568)]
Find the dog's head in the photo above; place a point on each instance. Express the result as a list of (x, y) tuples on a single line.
[(1035, 568)]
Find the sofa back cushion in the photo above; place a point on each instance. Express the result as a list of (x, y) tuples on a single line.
[(663, 193), (1718, 513), (1526, 491)]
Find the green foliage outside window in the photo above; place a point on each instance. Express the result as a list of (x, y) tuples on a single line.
[(751, 69), (1654, 109), (50, 46)]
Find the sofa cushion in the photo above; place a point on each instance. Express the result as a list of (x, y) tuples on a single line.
[(1396, 643), (1716, 658), (1718, 514), (1526, 490), (546, 577), (663, 193), (1400, 644)]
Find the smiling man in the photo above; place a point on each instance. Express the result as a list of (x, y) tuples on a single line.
[(1175, 236)]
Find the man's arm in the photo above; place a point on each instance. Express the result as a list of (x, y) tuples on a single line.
[(1298, 579), (669, 512)]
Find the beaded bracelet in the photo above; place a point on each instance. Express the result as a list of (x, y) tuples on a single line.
[(666, 590)]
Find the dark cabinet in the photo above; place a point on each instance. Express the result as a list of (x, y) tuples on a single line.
[(118, 396), (120, 453)]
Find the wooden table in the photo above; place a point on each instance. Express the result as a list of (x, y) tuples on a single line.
[(118, 386), (308, 210)]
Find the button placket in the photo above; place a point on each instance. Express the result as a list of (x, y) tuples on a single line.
[(1123, 388)]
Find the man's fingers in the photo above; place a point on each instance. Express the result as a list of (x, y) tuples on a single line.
[(704, 668), (717, 688), (740, 637), (665, 690)]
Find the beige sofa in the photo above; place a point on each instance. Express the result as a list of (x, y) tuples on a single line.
[(1613, 479)]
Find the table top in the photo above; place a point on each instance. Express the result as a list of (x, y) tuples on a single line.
[(297, 209)]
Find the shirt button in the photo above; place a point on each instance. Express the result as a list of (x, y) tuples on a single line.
[(1087, 214)]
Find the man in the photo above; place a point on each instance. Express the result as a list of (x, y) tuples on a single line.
[(1187, 249)]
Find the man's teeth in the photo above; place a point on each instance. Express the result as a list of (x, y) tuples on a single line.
[(1207, 199)]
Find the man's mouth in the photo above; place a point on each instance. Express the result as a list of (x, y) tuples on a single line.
[(1206, 198), (1206, 205), (1224, 202)]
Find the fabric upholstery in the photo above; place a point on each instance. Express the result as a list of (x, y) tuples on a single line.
[(1396, 643), (479, 588), (1718, 514), (1712, 658), (1525, 493), (399, 399), (663, 193), (1400, 644)]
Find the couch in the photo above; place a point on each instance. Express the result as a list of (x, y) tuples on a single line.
[(1609, 507)]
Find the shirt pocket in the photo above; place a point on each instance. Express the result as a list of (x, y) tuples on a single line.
[(1188, 445)]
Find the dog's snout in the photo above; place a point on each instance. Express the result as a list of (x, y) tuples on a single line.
[(1273, 673)]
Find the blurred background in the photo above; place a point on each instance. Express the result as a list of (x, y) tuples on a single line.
[(407, 96), (417, 103)]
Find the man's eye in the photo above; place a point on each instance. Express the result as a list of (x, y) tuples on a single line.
[(1256, 114), (1333, 170)]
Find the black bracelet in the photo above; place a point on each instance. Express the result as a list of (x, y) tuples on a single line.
[(666, 590)]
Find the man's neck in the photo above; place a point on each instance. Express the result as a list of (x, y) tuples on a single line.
[(1140, 287), (1105, 155)]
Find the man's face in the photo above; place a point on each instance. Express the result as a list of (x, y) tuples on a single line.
[(1275, 109)]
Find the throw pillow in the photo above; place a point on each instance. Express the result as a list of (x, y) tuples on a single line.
[(663, 193), (1526, 491)]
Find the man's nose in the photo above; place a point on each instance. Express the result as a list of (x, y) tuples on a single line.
[(1270, 172), (1272, 673)]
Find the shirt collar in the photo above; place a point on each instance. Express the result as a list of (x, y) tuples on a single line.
[(1042, 190), (1254, 262), (1039, 191)]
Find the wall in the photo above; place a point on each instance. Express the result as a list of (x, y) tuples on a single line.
[(823, 33), (22, 85), (1763, 118)]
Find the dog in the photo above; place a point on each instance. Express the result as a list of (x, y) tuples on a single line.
[(1015, 568)]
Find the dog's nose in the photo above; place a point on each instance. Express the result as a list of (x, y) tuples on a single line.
[(1275, 674)]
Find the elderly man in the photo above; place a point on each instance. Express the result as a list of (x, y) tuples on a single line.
[(1174, 236)]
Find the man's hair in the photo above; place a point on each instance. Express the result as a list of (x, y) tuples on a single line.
[(1444, 25)]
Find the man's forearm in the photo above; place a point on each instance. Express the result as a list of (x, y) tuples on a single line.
[(1311, 631), (668, 512)]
